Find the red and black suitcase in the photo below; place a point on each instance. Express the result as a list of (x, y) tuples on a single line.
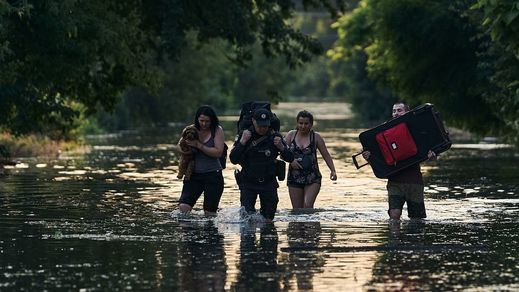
[(404, 141), (396, 144)]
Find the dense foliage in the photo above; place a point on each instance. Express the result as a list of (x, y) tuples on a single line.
[(204, 75), (153, 62), (460, 55), (60, 55)]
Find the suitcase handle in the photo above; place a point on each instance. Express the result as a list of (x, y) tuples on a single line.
[(355, 161)]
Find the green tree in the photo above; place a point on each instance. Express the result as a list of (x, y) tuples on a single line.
[(425, 51), (204, 75), (372, 103), (201, 76), (54, 53), (501, 21)]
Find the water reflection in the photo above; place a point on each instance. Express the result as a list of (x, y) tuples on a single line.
[(202, 257), (417, 257), (303, 261), (258, 267), (101, 221), (395, 268), (413, 233)]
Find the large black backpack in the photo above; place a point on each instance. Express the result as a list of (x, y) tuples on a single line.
[(247, 110)]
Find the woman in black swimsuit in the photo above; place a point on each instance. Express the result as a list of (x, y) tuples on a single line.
[(304, 177)]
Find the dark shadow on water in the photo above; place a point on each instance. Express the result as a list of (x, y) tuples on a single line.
[(302, 260), (425, 256), (413, 239), (106, 229), (258, 268), (201, 257)]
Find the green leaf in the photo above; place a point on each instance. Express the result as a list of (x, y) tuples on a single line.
[(510, 16)]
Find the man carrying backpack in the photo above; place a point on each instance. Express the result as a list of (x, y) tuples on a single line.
[(256, 150), (406, 185)]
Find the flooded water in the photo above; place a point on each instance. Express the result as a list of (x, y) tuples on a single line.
[(105, 221)]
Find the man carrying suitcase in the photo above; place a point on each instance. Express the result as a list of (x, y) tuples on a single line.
[(406, 185)]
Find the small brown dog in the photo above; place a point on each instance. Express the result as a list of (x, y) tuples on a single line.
[(187, 162)]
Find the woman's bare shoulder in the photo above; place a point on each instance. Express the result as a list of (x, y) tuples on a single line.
[(318, 137), (290, 134)]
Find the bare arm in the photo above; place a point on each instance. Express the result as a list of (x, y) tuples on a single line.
[(432, 156), (326, 155), (289, 137)]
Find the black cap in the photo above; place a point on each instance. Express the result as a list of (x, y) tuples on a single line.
[(262, 117)]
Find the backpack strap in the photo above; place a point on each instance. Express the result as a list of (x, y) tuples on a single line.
[(313, 144), (312, 139), (257, 141), (294, 138)]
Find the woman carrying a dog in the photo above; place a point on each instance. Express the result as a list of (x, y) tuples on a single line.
[(206, 176), (304, 177)]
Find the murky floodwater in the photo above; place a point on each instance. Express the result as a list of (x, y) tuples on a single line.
[(104, 221)]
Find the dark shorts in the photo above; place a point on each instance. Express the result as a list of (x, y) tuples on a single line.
[(300, 179), (413, 194), (211, 184), (299, 185), (268, 201)]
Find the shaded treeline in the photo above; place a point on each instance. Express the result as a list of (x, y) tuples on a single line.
[(61, 59), (205, 75), (461, 55), (69, 65)]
